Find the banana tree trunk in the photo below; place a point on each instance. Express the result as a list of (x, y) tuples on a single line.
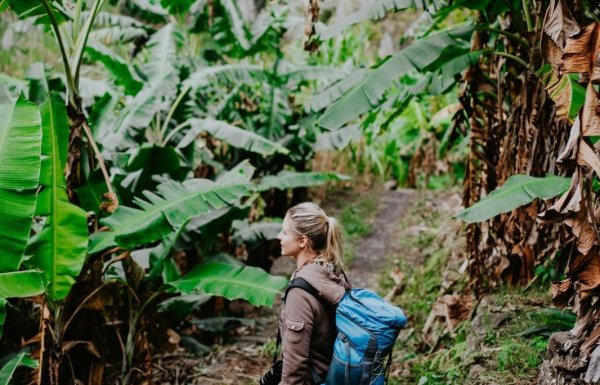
[(571, 44), (76, 146), (514, 129)]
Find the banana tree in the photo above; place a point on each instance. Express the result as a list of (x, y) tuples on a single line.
[(154, 92), (571, 44), (20, 160), (71, 41)]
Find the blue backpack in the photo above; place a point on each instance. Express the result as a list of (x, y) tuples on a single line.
[(368, 327)]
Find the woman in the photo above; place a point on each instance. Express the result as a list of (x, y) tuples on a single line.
[(306, 323)]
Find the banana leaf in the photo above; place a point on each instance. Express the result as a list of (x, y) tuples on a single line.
[(35, 9), (250, 283), (177, 7), (122, 72), (18, 284), (235, 136), (162, 212), (568, 95), (256, 233), (314, 72), (8, 370), (162, 53), (181, 306), (334, 91), (426, 54), (2, 315), (160, 88), (338, 139), (20, 141), (292, 179), (149, 9), (139, 113), (20, 162), (375, 10), (111, 28), (21, 284), (238, 24), (518, 190), (59, 249), (226, 74)]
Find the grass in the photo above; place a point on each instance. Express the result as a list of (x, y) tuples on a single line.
[(356, 217), (509, 353), (480, 352)]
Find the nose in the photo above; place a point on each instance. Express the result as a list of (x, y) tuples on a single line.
[(279, 236)]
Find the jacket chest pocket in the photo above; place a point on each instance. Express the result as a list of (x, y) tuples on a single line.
[(294, 330)]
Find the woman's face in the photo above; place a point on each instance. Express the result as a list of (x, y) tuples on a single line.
[(289, 239)]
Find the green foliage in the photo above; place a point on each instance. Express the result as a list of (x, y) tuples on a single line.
[(20, 140), (255, 233), (376, 10), (19, 284), (236, 136), (20, 148), (153, 83), (59, 249), (8, 370), (425, 54), (356, 220), (251, 283), (290, 179), (568, 94), (160, 214), (181, 306), (518, 190), (121, 71)]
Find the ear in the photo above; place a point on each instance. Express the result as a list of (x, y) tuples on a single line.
[(303, 241)]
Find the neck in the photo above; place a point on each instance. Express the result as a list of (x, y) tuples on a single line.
[(305, 256)]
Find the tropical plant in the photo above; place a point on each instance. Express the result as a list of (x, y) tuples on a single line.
[(171, 129), (518, 190), (516, 113)]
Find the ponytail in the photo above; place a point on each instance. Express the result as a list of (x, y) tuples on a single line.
[(324, 233), (333, 249)]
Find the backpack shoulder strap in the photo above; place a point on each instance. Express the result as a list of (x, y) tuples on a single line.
[(304, 285)]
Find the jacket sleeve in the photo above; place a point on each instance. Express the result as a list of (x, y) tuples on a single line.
[(296, 332)]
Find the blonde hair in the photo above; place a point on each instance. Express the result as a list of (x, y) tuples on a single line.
[(324, 233)]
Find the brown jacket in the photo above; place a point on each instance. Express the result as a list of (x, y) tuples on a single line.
[(307, 327)]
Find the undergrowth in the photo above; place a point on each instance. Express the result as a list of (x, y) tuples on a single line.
[(503, 342)]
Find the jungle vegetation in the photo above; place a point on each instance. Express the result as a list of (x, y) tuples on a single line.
[(149, 149)]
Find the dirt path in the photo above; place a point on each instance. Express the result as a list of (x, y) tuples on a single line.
[(244, 359), (373, 251)]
